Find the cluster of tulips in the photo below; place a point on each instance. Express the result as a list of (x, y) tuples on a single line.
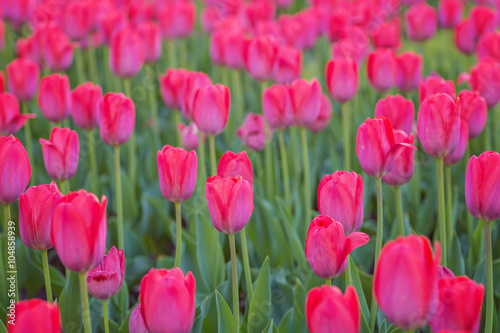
[(66, 63)]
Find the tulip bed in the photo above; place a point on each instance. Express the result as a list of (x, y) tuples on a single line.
[(259, 166)]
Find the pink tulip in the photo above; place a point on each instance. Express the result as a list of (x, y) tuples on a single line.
[(217, 45), (354, 46), (407, 270), (387, 34), (18, 11), (171, 87), (176, 19), (305, 101), (456, 155), (420, 22), (253, 132), (230, 203), (341, 77), (189, 135), (260, 55), (209, 18), (2, 81), (399, 110), (488, 46), (409, 71), (141, 12), (450, 13), (28, 48), (483, 18), (382, 69), (485, 78), (85, 100), (78, 18), (276, 106), (54, 97), (136, 323), (116, 118), (61, 153), (35, 316), (80, 244), (465, 37), (15, 169), (22, 78), (324, 116), (111, 22), (126, 54), (151, 41), (463, 78), (402, 171), (211, 109), (2, 34), (258, 11), (177, 170), (233, 56), (192, 83), (235, 164), (58, 51), (11, 120), (433, 85), (288, 66), (338, 24), (105, 280), (474, 110)]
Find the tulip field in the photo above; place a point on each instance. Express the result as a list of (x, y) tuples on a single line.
[(241, 166)]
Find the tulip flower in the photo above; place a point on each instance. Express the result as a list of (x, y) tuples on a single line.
[(324, 116), (260, 55), (54, 97), (450, 13), (387, 34), (288, 65), (171, 87), (276, 106), (473, 109), (399, 110), (407, 269), (29, 48), (12, 120), (85, 99), (465, 37), (126, 54), (253, 132), (116, 118), (78, 18), (341, 77), (176, 19), (433, 85), (233, 57), (15, 169), (105, 280), (35, 315), (488, 46), (235, 164), (189, 135), (304, 101), (211, 109), (2, 81), (456, 155), (461, 311), (485, 78), (22, 79), (483, 18), (61, 153), (58, 51), (337, 25), (136, 323), (151, 41), (409, 70), (354, 46), (382, 69), (110, 22), (192, 83), (327, 307), (402, 170), (420, 22)]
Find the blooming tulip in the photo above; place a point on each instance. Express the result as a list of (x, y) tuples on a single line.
[(171, 87), (192, 83), (450, 13), (78, 18), (22, 78), (116, 118), (399, 110), (151, 41), (483, 18), (230, 203), (288, 64), (189, 135), (260, 55), (433, 85), (15, 169), (12, 120), (402, 170), (253, 132), (35, 316), (235, 164), (409, 70), (85, 100), (485, 78), (407, 270), (169, 290), (54, 97), (324, 116), (488, 46), (177, 172), (382, 69), (420, 22), (211, 109), (473, 110), (58, 51), (176, 19), (305, 101), (465, 37), (136, 323), (105, 280), (342, 79), (126, 54), (276, 106), (60, 153)]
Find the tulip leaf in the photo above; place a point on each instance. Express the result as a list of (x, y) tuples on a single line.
[(270, 328), (70, 305), (224, 315), (300, 295), (260, 305), (356, 281), (119, 302), (455, 259), (123, 328), (286, 324), (2, 328)]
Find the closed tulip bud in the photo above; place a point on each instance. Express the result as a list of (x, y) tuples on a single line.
[(324, 116), (420, 22), (488, 46), (305, 101), (276, 106), (399, 110), (456, 155), (407, 270), (85, 100), (218, 42), (172, 86), (54, 97), (35, 215), (209, 18), (387, 34), (61, 153), (483, 18), (230, 203), (235, 164), (482, 181), (116, 118), (327, 247), (474, 110), (354, 46), (233, 56), (402, 170), (193, 81), (337, 25), (177, 170), (288, 65), (189, 135), (438, 125), (450, 13), (12, 120), (126, 54), (136, 323), (110, 22), (376, 147), (58, 51), (485, 78), (78, 18), (253, 132), (211, 109), (340, 196), (105, 280), (151, 41), (15, 169), (22, 78), (409, 71), (341, 77), (260, 55), (382, 69), (433, 85), (327, 307), (177, 19), (35, 315), (459, 308), (465, 37), (141, 12), (28, 48)]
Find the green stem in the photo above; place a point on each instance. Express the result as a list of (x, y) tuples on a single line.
[(85, 302), (284, 168), (269, 171), (105, 314), (328, 282), (260, 169), (488, 327), (93, 161), (238, 96), (399, 207), (449, 205), (246, 264), (441, 210), (234, 273), (178, 226), (346, 124), (183, 54), (486, 134), (79, 65), (132, 164), (307, 189), (348, 275), (28, 139), (177, 119), (64, 186), (171, 51), (202, 165), (94, 76), (46, 274), (152, 99), (213, 158), (119, 204)]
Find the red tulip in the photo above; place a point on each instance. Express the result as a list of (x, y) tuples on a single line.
[(405, 284), (485, 78), (233, 56), (482, 181), (177, 172), (474, 110), (308, 30), (35, 215), (171, 87), (420, 22), (136, 322), (110, 22), (483, 18), (2, 34), (305, 101), (28, 48), (387, 34), (260, 55), (61, 153), (116, 118), (253, 132), (399, 110), (456, 155), (151, 41), (276, 106), (2, 81), (11, 119), (15, 169), (324, 116), (105, 280), (459, 308), (169, 290), (465, 37), (354, 46), (34, 316), (382, 69), (78, 18), (85, 100), (402, 170), (288, 65), (22, 78), (54, 97), (409, 71), (58, 51), (235, 164), (80, 244), (327, 308), (338, 24), (141, 12), (230, 203), (488, 46), (211, 109), (258, 11), (192, 83), (341, 77), (189, 135), (176, 19), (126, 54), (450, 13), (433, 85), (340, 196), (217, 45)]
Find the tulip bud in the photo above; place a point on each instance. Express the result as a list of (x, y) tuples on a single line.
[(232, 165), (116, 118), (450, 13), (260, 55), (254, 133), (324, 116), (211, 109), (85, 100), (456, 155), (35, 313), (341, 77), (151, 41), (233, 56), (387, 34), (409, 71), (399, 110), (209, 18), (230, 203), (382, 69), (402, 170), (54, 97), (420, 22), (485, 78), (340, 196), (28, 48), (2, 81), (433, 85), (217, 45), (22, 78), (105, 280), (136, 323), (189, 135), (465, 37), (338, 24), (488, 46), (126, 54), (12, 120), (305, 101), (327, 307), (177, 173), (474, 110), (78, 18), (192, 83), (176, 19), (354, 46), (483, 18), (172, 86), (14, 167), (276, 106), (258, 11), (288, 65), (407, 270), (141, 12), (61, 153), (169, 290), (110, 22)]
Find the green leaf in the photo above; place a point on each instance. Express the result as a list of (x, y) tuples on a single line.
[(300, 294), (124, 324), (455, 259), (119, 302), (286, 324), (2, 328), (356, 281), (260, 306), (224, 315), (269, 328), (70, 305), (209, 254)]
